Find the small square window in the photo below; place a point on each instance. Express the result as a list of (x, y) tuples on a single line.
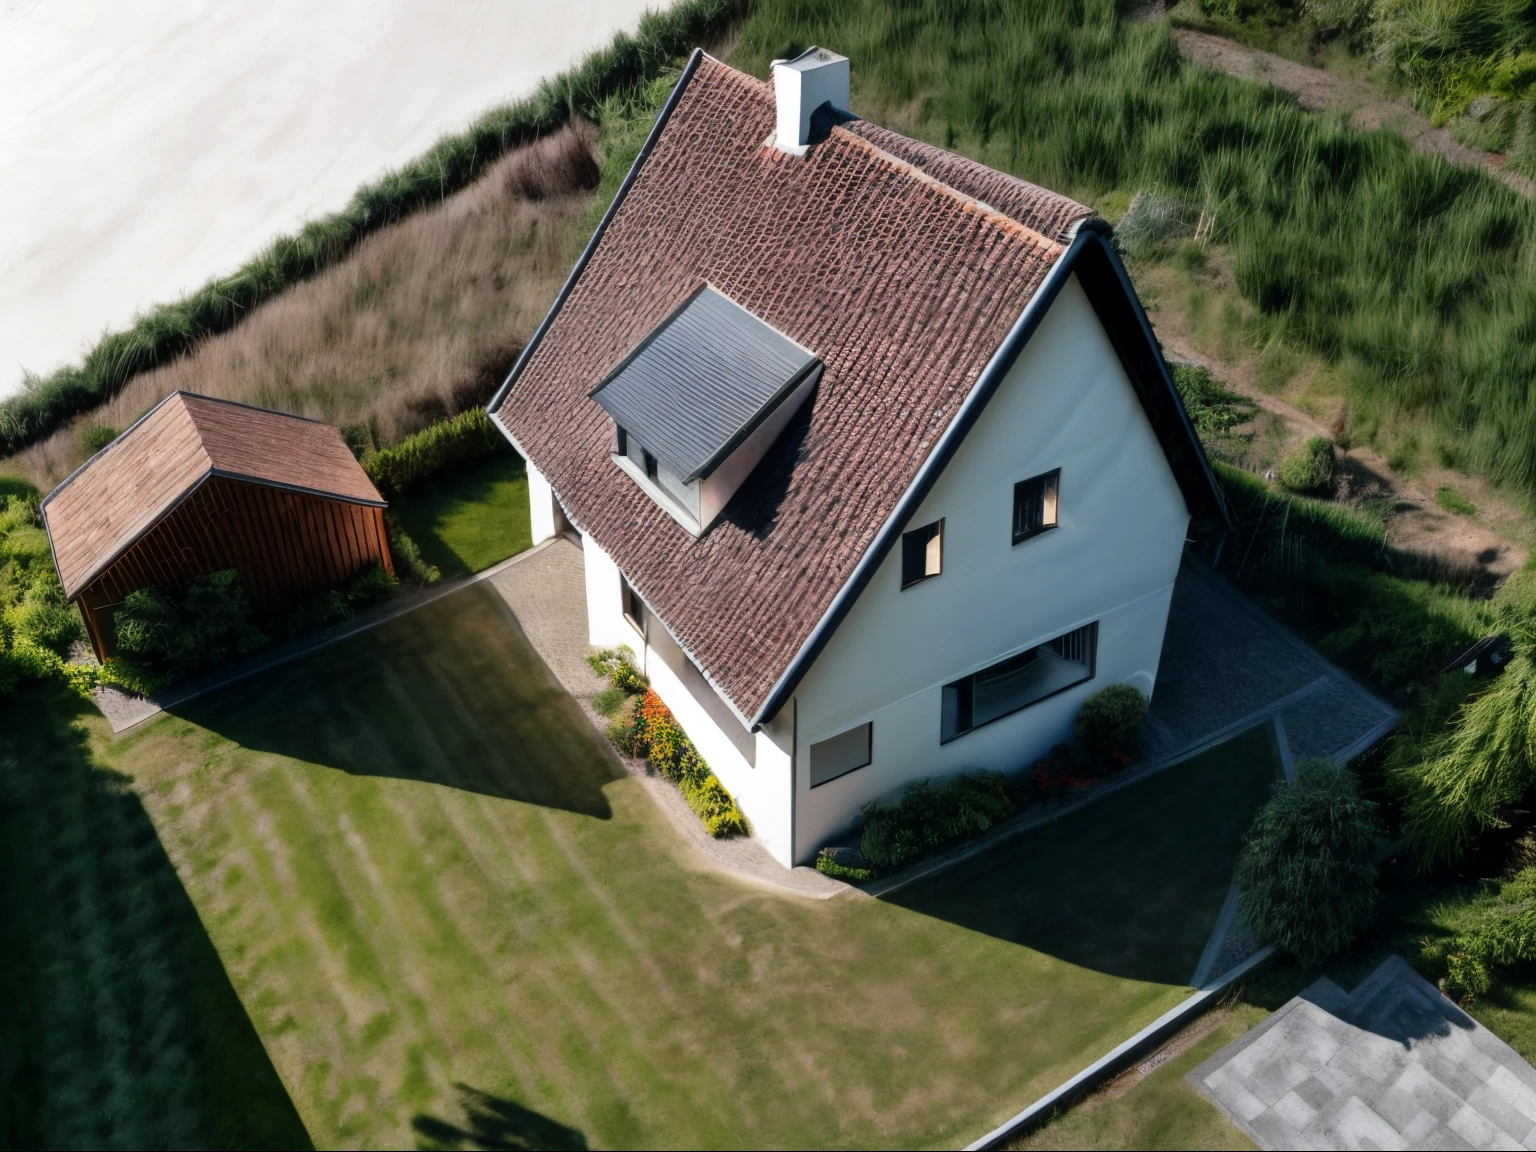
[(651, 468), (922, 553), (842, 754), (1034, 505)]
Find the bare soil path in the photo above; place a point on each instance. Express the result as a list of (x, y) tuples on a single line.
[(1323, 91)]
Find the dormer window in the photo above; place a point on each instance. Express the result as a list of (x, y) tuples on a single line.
[(700, 400)]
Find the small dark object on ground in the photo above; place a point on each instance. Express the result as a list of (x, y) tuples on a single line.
[(1485, 658)]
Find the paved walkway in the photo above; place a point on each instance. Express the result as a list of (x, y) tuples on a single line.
[(1392, 1065)]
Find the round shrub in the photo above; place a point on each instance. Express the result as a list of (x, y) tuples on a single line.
[(1109, 720), (1307, 875), (1311, 468)]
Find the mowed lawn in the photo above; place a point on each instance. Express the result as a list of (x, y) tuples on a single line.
[(451, 918), (469, 518)]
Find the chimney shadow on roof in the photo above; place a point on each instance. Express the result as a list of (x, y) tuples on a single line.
[(756, 505), (452, 694)]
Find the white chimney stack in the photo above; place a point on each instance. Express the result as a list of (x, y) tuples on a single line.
[(802, 85)]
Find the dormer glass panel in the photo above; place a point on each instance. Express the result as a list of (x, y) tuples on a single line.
[(700, 400)]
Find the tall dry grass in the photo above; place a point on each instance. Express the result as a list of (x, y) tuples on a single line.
[(421, 321)]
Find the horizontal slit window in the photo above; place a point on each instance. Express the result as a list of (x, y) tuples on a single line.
[(841, 754), (922, 553), (1019, 681), (1034, 505)]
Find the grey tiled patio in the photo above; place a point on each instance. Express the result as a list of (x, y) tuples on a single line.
[(1392, 1065)]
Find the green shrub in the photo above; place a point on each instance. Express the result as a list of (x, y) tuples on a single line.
[(1109, 721), (608, 702), (44, 617), (1215, 412), (46, 403), (407, 555), (1453, 501), (1492, 930), (448, 443), (846, 864), (373, 585), (1307, 874), (929, 819), (617, 666), (94, 437), (1311, 468), (176, 633)]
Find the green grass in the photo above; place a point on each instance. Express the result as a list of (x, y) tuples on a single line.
[(1160, 1110), (120, 1026), (1453, 501), (1130, 890), (1416, 280), (1509, 1011), (447, 910), (469, 518)]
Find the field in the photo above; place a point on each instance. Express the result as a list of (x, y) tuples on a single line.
[(446, 909)]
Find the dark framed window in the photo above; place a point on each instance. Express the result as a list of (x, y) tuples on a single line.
[(1019, 681), (651, 467), (1034, 505), (841, 754), (620, 441), (634, 607), (922, 553)]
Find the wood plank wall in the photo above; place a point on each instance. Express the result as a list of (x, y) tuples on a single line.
[(288, 546)]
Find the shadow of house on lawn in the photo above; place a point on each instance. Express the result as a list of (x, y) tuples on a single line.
[(1131, 884), (450, 694), (120, 1025), (493, 1123)]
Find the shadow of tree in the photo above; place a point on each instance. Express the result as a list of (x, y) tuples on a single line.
[(120, 1026), (493, 1123), (450, 694)]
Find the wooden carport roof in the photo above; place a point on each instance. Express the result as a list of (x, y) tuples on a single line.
[(119, 494)]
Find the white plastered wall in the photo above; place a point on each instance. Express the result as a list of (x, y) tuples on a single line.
[(541, 505), (762, 788), (1065, 404)]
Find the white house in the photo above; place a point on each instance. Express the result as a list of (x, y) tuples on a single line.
[(873, 456)]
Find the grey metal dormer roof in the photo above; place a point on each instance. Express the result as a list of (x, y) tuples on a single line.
[(701, 381)]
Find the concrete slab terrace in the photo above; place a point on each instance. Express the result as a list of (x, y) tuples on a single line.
[(148, 147), (1393, 1064)]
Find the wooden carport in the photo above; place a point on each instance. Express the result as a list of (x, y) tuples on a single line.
[(199, 485)]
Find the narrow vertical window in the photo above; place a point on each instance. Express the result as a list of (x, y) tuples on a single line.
[(651, 468), (1034, 505), (620, 441), (922, 553), (633, 606)]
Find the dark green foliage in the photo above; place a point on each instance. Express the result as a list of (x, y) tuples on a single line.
[(407, 555), (1216, 412), (1491, 930), (46, 403), (929, 819), (1307, 875), (446, 444), (176, 633), (1311, 468), (95, 437), (371, 586), (1109, 721), (1416, 277)]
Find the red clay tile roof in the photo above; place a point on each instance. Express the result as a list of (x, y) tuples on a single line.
[(895, 277), (124, 489)]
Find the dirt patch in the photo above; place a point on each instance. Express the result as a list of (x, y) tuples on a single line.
[(1323, 91)]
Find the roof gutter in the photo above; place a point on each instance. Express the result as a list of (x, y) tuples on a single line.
[(597, 237), (1089, 235)]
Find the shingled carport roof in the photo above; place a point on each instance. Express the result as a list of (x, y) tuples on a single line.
[(902, 267), (130, 485)]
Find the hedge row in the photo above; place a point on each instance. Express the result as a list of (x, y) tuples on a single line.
[(446, 444), (46, 403)]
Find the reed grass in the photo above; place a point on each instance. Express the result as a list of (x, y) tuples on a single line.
[(1415, 279), (421, 321)]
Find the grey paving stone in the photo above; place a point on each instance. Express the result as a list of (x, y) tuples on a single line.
[(1392, 1064), (1329, 721)]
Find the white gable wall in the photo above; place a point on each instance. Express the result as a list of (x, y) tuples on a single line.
[(1066, 404)]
